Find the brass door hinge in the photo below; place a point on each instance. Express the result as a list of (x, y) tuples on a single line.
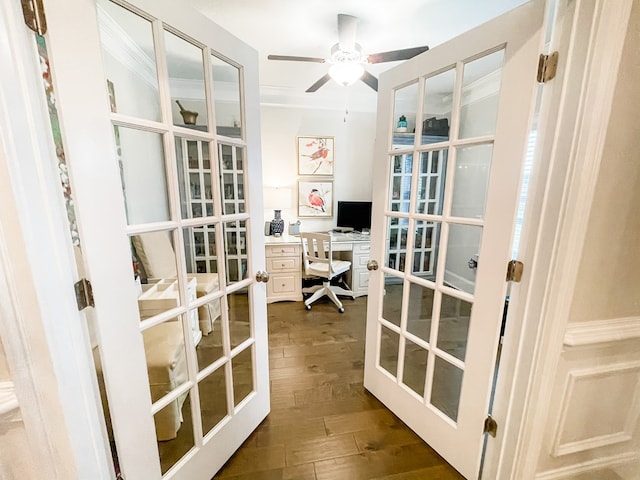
[(514, 271), (33, 12), (84, 294), (547, 66), (490, 426)]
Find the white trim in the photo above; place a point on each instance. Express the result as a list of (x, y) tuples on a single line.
[(602, 331), (590, 466), (591, 47)]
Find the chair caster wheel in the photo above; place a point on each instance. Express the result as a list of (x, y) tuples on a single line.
[(341, 310), (307, 307)]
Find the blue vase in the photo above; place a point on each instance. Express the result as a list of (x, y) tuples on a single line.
[(277, 224)]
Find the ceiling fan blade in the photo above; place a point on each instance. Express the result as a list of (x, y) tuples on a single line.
[(395, 55), (296, 59), (370, 80), (347, 26), (324, 79)]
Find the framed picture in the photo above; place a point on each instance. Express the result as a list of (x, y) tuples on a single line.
[(316, 156), (315, 199)]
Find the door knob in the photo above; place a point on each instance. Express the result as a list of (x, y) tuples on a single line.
[(262, 276), (372, 265)]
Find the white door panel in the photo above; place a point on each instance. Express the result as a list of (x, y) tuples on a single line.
[(445, 197), (183, 352)]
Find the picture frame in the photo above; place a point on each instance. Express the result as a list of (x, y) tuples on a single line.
[(315, 199), (316, 156)]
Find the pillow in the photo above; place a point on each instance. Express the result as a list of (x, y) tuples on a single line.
[(156, 253)]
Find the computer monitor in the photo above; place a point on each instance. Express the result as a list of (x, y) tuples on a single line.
[(354, 215)]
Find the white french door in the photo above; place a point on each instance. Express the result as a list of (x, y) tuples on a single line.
[(159, 112), (447, 195)]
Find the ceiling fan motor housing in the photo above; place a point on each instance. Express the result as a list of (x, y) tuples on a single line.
[(338, 55)]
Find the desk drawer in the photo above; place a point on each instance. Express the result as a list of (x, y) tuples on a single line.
[(282, 250), (283, 264), (361, 247)]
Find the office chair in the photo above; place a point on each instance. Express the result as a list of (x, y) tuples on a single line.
[(318, 262)]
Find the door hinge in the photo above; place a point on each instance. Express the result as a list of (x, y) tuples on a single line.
[(547, 66), (33, 12), (514, 271), (84, 294), (490, 426)]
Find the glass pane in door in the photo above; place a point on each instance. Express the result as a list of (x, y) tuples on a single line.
[(437, 107), (174, 429), (431, 180), (194, 178), (232, 178), (212, 390), (404, 115), (420, 311), (425, 249), (392, 300), (186, 82), (445, 391), (129, 61), (389, 348), (453, 329), (414, 373), (143, 174), (396, 255), (242, 374), (463, 245), (480, 95), (235, 248), (401, 183), (226, 96), (471, 180)]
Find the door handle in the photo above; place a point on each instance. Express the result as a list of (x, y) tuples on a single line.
[(262, 276), (372, 265)]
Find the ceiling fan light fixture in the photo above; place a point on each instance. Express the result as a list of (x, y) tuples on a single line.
[(346, 73)]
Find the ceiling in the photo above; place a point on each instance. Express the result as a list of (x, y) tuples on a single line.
[(309, 28)]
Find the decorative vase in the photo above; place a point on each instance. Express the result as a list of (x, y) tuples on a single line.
[(277, 224)]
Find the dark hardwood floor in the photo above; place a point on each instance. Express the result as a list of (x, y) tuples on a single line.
[(323, 424)]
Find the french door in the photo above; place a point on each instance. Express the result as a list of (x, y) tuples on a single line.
[(444, 210), (160, 116)]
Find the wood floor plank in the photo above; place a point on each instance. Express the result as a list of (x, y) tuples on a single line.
[(354, 422), (250, 459), (320, 449)]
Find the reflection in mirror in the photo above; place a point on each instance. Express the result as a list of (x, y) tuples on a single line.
[(239, 317), (232, 178), (194, 178), (419, 312), (471, 181), (453, 328), (400, 188), (431, 181), (186, 82), (389, 347), (226, 97), (405, 106), (213, 399), (425, 249), (397, 229), (437, 107), (480, 95), (242, 373), (143, 175), (392, 300), (201, 253), (173, 447), (462, 246), (129, 61), (235, 248), (445, 391), (415, 367), (164, 347)]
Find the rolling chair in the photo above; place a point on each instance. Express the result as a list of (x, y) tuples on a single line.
[(318, 262)]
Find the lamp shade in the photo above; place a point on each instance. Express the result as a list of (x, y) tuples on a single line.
[(277, 198)]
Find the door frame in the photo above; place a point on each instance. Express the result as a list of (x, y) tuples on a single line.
[(575, 114), (36, 375)]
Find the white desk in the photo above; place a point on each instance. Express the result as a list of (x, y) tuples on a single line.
[(284, 264)]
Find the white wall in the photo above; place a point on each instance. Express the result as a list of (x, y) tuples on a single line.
[(354, 134)]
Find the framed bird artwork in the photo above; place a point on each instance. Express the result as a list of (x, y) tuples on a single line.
[(315, 199), (316, 156)]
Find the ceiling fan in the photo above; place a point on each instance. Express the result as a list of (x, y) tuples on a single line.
[(347, 61)]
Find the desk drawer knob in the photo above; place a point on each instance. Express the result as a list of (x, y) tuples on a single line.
[(262, 276), (372, 265)]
